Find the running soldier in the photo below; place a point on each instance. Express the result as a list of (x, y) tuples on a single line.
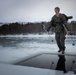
[(57, 21)]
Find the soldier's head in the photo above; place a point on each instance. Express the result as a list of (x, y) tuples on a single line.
[(57, 10)]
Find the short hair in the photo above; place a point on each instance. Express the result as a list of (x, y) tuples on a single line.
[(57, 8)]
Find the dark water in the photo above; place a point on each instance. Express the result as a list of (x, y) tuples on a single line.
[(14, 41), (57, 62)]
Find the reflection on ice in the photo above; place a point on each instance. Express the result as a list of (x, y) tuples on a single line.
[(59, 62)]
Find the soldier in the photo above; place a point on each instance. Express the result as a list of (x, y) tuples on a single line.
[(57, 21)]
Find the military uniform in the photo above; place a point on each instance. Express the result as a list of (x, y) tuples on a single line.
[(57, 22)]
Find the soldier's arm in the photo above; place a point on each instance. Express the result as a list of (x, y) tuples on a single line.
[(65, 24), (64, 21), (50, 24)]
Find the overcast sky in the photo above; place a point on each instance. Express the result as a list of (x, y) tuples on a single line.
[(34, 10)]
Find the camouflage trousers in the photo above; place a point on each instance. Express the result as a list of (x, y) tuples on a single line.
[(60, 39)]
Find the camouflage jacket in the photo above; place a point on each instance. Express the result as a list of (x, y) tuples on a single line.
[(57, 23)]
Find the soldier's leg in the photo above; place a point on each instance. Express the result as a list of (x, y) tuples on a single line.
[(62, 41), (57, 37)]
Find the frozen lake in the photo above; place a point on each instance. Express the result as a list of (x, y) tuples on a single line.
[(16, 46)]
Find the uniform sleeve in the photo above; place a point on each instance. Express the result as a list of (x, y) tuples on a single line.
[(51, 23), (64, 21)]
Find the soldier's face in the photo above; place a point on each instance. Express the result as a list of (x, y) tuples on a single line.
[(56, 11)]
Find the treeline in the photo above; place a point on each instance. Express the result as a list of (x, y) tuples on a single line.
[(17, 28), (20, 28)]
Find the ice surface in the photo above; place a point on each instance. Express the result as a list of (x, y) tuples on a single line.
[(18, 70), (15, 47), (12, 48)]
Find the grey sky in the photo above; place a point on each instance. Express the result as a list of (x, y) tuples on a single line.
[(34, 10)]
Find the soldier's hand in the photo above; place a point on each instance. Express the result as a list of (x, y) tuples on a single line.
[(68, 32)]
